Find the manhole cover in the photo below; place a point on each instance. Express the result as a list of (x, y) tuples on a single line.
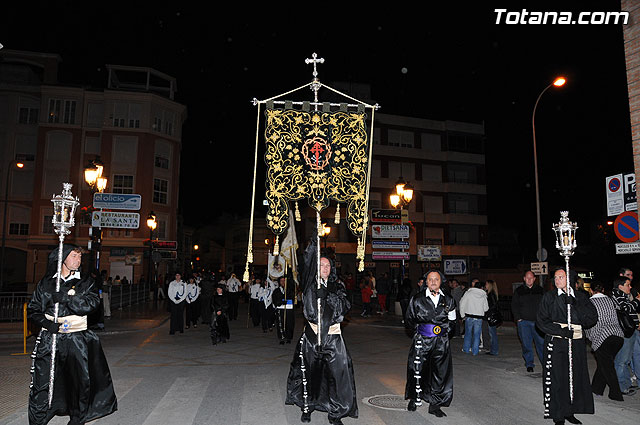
[(387, 401)]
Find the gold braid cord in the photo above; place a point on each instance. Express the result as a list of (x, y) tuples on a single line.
[(321, 156)]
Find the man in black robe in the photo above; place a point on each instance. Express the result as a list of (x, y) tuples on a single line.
[(219, 316), (285, 319), (553, 321), (83, 389), (431, 315), (208, 287), (321, 375)]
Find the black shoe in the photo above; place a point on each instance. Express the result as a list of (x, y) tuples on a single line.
[(337, 421), (281, 342), (530, 369), (630, 391), (412, 406), (288, 341), (558, 422), (306, 417), (438, 412), (572, 420)]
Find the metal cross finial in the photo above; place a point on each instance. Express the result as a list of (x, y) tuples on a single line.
[(315, 85), (314, 61)]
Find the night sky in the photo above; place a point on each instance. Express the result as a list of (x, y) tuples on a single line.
[(452, 64)]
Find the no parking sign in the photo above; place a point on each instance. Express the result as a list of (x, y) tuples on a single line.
[(626, 226)]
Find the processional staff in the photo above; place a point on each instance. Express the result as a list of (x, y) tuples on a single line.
[(565, 232), (64, 211)]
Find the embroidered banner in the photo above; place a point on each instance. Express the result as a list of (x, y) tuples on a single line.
[(320, 156)]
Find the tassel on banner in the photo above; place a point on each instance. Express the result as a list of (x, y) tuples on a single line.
[(250, 255), (361, 266), (276, 246), (298, 217), (245, 276), (336, 220)]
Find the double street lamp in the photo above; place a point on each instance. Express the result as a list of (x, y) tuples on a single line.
[(152, 223), (93, 177), (558, 82), (402, 198), (11, 166)]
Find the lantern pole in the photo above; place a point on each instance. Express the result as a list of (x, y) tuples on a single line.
[(64, 209), (565, 232)]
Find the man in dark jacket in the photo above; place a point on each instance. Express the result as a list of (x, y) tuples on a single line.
[(82, 386), (630, 305), (383, 287), (524, 306)]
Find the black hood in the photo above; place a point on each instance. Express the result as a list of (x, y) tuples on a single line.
[(52, 263)]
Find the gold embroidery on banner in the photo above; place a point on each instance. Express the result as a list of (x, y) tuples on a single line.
[(320, 156)]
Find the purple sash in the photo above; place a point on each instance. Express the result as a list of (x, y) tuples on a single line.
[(428, 330)]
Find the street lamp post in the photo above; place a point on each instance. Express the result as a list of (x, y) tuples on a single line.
[(326, 230), (12, 164), (152, 224), (97, 183), (402, 197), (558, 82)]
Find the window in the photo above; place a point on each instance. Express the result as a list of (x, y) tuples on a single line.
[(134, 115), (28, 116), (47, 226), (92, 145), (168, 123), (157, 124), (160, 191), (402, 138), (120, 111), (465, 143), (162, 162), (431, 142), (18, 229), (122, 183), (95, 115), (463, 203), (432, 173), (62, 111)]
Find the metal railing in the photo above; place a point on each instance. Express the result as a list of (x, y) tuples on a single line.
[(11, 303)]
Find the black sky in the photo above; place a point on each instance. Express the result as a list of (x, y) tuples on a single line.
[(459, 65)]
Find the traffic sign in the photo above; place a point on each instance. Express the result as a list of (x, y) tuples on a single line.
[(455, 266), (113, 219), (385, 216), (389, 255), (117, 201), (626, 226), (541, 268), (628, 248), (390, 244)]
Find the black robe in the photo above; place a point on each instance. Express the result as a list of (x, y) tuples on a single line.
[(285, 318), (429, 367), (553, 310), (83, 388), (321, 377), (208, 289), (219, 322)]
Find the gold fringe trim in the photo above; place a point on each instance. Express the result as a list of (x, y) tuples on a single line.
[(336, 220), (298, 217), (245, 276), (276, 246), (361, 266)]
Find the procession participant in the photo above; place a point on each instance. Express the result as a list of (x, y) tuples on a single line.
[(431, 315), (321, 375), (83, 389), (193, 303), (233, 291), (219, 319), (266, 305), (558, 372), (177, 295), (254, 301), (283, 303)]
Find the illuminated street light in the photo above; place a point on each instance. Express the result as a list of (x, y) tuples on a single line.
[(558, 82)]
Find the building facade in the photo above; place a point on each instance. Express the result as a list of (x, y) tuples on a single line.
[(133, 125)]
